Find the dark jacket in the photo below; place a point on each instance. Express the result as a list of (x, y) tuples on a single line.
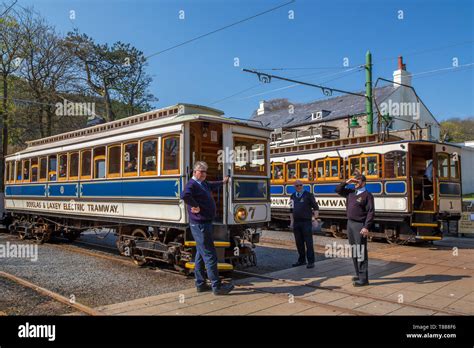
[(360, 207), (199, 195), (303, 207)]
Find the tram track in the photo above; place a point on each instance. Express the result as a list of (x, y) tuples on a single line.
[(54, 295)]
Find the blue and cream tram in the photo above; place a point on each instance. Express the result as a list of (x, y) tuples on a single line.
[(128, 174), (416, 184)]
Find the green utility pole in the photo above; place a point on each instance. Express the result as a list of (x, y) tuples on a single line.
[(368, 92)]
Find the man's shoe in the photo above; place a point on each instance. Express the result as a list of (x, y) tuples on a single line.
[(203, 288), (223, 289), (354, 279), (310, 265), (358, 283), (298, 264)]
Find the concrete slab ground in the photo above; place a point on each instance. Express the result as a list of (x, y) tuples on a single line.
[(404, 280)]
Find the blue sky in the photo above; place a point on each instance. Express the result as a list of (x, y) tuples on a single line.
[(321, 35)]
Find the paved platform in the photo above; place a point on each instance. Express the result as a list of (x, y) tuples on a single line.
[(404, 280)]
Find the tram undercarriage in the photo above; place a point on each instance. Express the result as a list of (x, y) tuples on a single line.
[(395, 230), (143, 244)]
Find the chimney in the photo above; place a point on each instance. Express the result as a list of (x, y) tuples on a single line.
[(261, 109), (401, 76)]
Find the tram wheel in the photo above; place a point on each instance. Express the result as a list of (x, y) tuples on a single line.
[(137, 256), (22, 228), (393, 237)]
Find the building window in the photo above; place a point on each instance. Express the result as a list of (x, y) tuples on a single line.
[(43, 169), (99, 162), (86, 164), (34, 169), (170, 155), (113, 159), (149, 150), (130, 159), (52, 163), (73, 165), (63, 167)]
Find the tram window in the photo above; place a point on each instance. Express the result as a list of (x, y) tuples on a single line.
[(250, 156), (34, 169), (113, 160), (130, 159), (18, 170), (149, 157), (371, 166), (454, 171), (52, 167), (291, 171), (303, 170), (86, 164), (334, 168), (73, 165), (443, 165), (320, 169), (43, 168), (170, 155), (26, 170), (99, 162), (62, 167), (12, 171), (7, 172), (277, 171), (395, 164), (354, 166)]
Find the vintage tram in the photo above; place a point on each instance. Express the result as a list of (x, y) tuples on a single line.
[(127, 175), (416, 184)]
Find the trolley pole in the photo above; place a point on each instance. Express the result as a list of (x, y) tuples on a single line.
[(368, 92)]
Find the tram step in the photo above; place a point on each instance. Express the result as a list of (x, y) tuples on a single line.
[(424, 224), (218, 244), (429, 237), (220, 266)]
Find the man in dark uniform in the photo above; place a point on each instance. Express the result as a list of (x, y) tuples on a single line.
[(360, 217), (304, 208), (202, 210)]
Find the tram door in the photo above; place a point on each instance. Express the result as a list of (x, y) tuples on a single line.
[(423, 188), (205, 143)]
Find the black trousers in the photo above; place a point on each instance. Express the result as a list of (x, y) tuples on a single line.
[(303, 231), (360, 256)]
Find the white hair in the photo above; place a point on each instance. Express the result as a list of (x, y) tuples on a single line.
[(200, 165)]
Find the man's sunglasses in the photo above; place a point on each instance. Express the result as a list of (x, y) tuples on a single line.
[(298, 185)]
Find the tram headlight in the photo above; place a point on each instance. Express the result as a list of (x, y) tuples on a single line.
[(241, 214)]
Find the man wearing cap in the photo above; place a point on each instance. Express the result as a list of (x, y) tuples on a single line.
[(360, 217), (304, 208)]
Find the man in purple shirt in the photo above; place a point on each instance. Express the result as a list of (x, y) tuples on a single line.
[(202, 210), (360, 217)]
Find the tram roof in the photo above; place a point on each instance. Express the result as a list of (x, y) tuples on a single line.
[(151, 119)]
